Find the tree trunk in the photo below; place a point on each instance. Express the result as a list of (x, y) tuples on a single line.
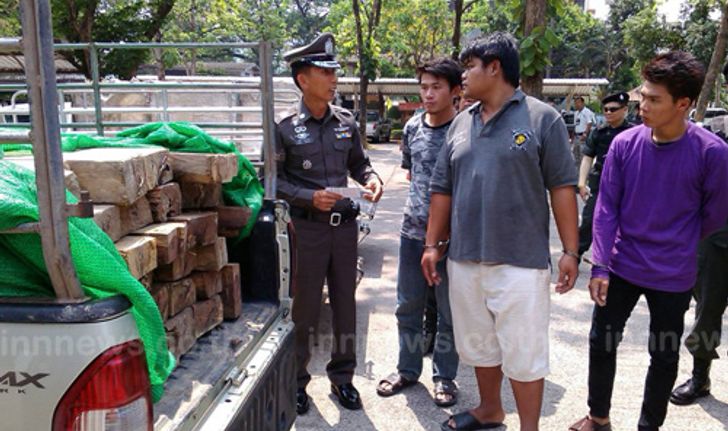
[(363, 80), (457, 30), (716, 61), (534, 16)]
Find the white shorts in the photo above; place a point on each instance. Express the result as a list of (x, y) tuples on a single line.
[(500, 316)]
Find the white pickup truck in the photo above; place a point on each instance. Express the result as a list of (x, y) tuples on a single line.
[(72, 363)]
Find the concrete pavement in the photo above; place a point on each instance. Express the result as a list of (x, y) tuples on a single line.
[(565, 395)]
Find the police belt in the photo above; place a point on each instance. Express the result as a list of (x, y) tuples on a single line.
[(333, 218)]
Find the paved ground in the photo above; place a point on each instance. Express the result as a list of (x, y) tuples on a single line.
[(565, 397)]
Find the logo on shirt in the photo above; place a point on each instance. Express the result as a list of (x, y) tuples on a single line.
[(520, 137), (307, 164)]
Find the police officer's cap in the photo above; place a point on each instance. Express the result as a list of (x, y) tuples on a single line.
[(320, 53), (621, 98)]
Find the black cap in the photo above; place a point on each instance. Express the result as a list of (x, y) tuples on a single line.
[(320, 53), (621, 98)]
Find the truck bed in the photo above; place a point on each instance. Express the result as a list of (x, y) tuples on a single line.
[(201, 372)]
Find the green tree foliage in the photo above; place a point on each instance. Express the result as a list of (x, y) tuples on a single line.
[(111, 20), (9, 18)]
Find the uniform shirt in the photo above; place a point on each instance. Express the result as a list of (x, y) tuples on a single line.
[(314, 154), (655, 203), (598, 142), (420, 146), (498, 174), (582, 118)]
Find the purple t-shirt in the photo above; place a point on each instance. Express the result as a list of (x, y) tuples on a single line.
[(655, 203)]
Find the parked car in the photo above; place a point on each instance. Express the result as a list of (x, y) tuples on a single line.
[(378, 129)]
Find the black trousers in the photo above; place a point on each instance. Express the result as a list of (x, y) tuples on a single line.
[(587, 216), (326, 253), (667, 311), (711, 296)]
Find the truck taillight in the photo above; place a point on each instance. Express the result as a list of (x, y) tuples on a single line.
[(112, 394)]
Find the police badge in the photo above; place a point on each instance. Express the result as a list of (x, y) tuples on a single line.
[(307, 164)]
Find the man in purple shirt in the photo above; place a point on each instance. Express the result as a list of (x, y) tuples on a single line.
[(664, 187)]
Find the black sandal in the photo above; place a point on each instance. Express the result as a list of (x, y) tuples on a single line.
[(445, 387), (396, 384), (466, 421)]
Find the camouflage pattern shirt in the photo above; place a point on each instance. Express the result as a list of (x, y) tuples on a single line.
[(421, 145)]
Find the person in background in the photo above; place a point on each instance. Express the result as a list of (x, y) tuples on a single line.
[(584, 120), (594, 152)]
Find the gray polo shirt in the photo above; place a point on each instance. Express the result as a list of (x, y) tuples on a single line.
[(498, 175)]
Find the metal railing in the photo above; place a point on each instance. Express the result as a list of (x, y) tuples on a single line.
[(254, 133)]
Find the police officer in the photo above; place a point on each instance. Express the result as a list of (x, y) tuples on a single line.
[(318, 146), (596, 147)]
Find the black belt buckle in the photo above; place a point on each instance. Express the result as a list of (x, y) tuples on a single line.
[(335, 219)]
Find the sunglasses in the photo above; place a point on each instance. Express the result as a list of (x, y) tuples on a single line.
[(612, 108)]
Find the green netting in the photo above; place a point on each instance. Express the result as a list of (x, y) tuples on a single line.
[(101, 271)]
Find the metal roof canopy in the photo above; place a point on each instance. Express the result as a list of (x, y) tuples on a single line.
[(410, 86)]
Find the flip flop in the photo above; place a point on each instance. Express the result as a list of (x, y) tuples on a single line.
[(445, 387), (396, 384), (465, 421), (587, 424)]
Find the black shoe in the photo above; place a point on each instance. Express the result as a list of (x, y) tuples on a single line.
[(302, 402), (348, 396), (690, 391)]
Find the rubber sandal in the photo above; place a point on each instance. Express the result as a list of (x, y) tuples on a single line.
[(465, 421), (396, 383), (445, 387), (587, 424)]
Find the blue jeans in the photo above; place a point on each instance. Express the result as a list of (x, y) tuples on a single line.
[(411, 299)]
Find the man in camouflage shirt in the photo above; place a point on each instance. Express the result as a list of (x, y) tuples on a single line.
[(423, 137)]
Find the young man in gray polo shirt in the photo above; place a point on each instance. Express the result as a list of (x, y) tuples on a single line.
[(489, 196)]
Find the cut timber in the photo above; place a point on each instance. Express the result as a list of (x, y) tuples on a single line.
[(232, 218), (207, 283), (203, 167), (181, 294), (181, 332), (160, 294), (108, 218), (211, 257), (70, 179), (135, 216), (147, 281), (178, 269), (208, 314), (140, 254), (232, 303), (170, 237), (201, 195), (228, 233), (201, 228), (165, 201), (116, 175)]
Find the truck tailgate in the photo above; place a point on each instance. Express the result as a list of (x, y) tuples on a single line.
[(202, 373)]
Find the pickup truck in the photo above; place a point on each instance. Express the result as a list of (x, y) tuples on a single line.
[(73, 363), (378, 129)]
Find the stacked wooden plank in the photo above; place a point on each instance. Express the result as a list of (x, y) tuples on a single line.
[(166, 215)]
